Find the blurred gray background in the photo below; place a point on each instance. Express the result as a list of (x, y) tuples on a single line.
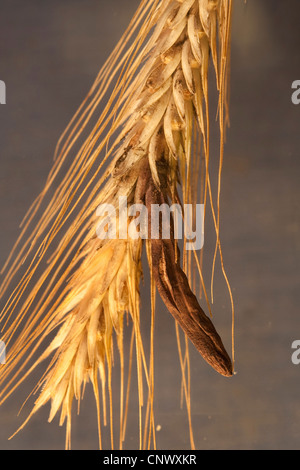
[(50, 54)]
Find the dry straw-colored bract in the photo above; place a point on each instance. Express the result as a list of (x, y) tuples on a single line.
[(153, 131)]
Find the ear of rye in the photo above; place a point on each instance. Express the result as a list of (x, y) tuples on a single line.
[(159, 101)]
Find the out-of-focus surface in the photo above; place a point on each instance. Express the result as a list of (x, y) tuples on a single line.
[(50, 54)]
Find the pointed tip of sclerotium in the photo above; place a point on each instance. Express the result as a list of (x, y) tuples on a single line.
[(226, 372)]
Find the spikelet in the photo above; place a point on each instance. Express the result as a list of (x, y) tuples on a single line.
[(158, 105)]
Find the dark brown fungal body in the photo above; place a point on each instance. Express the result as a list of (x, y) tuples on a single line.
[(173, 286)]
